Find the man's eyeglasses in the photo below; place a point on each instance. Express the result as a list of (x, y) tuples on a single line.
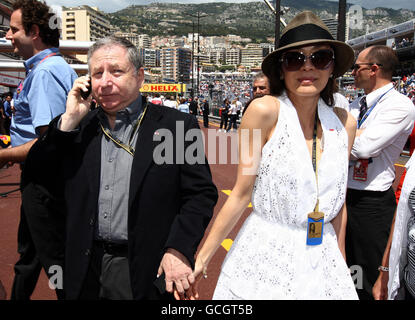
[(357, 66), (259, 87), (294, 60)]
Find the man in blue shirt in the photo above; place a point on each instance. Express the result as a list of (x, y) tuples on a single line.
[(39, 99)]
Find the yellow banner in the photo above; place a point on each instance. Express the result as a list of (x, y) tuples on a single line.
[(160, 87)]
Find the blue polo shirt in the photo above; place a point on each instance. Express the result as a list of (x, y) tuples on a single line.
[(42, 96)]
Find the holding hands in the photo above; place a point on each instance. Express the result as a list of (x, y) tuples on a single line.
[(178, 274)]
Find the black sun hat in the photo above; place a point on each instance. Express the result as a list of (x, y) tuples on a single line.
[(308, 29)]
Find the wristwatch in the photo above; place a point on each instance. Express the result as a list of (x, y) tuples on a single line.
[(382, 268)]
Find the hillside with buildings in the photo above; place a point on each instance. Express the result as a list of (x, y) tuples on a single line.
[(230, 36), (251, 20)]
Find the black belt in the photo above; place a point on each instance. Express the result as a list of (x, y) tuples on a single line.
[(114, 249), (370, 193)]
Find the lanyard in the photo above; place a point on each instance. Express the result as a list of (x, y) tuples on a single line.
[(371, 108), (48, 56), (127, 147), (315, 156)]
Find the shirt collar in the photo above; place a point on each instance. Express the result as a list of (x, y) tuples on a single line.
[(372, 97), (32, 62), (133, 110)]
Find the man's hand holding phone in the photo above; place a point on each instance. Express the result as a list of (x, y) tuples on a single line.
[(78, 103)]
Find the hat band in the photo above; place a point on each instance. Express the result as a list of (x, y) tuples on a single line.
[(305, 32)]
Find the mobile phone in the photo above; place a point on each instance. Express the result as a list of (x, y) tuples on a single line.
[(84, 94)]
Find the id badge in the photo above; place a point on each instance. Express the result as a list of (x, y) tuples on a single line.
[(360, 170), (315, 228)]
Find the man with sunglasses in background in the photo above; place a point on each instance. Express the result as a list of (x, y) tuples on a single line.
[(385, 119)]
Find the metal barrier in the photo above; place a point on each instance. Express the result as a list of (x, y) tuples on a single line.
[(65, 47)]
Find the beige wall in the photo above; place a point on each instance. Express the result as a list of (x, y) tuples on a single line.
[(83, 24)]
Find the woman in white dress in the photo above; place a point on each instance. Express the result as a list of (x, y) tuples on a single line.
[(396, 280), (276, 254)]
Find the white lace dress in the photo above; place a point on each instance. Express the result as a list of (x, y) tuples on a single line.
[(269, 258), (398, 255)]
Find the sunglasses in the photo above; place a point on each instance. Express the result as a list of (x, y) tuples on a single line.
[(294, 60), (357, 66)]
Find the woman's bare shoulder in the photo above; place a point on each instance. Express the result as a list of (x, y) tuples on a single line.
[(266, 106)]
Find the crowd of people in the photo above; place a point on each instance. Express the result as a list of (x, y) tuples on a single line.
[(123, 214), (229, 89), (405, 42), (406, 85)]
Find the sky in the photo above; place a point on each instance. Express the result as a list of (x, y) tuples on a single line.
[(114, 5)]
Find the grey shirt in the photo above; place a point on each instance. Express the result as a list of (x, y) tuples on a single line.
[(115, 175)]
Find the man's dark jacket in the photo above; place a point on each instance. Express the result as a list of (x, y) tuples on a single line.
[(170, 205), (193, 107)]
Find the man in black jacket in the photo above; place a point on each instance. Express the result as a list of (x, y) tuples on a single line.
[(205, 110), (137, 208), (194, 106)]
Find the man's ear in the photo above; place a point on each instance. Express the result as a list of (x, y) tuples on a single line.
[(140, 75), (34, 31)]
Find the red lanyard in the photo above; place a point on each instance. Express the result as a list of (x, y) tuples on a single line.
[(48, 56)]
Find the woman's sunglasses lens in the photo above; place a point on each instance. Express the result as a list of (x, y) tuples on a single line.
[(293, 60), (321, 59)]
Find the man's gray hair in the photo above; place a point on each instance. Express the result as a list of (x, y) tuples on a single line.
[(260, 75), (132, 51)]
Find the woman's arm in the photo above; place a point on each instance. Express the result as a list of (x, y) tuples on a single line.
[(340, 221), (339, 224), (257, 124), (380, 288)]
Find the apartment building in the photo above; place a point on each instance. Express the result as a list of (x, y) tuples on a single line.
[(175, 64), (84, 23), (233, 56), (216, 55), (150, 57), (332, 26), (251, 55), (5, 13), (267, 48), (139, 40)]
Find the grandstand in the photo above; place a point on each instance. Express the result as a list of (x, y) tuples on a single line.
[(399, 37), (218, 86)]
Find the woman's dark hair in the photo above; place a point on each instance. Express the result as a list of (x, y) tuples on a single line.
[(277, 85), (38, 13)]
